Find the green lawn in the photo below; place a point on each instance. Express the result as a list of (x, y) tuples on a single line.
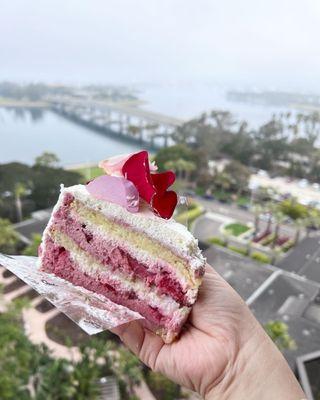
[(236, 228)]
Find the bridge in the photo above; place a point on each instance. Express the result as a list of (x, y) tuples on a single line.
[(154, 130)]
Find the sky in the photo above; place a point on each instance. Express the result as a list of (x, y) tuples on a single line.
[(252, 43)]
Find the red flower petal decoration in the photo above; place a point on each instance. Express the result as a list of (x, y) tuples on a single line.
[(151, 187), (164, 204), (162, 180), (136, 169)]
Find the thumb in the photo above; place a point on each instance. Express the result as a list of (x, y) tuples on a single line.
[(142, 342)]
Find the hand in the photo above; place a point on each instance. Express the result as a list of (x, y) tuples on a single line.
[(223, 352)]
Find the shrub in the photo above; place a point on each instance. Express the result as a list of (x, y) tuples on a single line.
[(263, 258), (287, 245), (279, 333), (216, 240), (239, 250), (32, 248), (267, 240), (9, 238), (190, 215)]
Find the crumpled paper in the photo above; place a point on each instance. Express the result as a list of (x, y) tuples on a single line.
[(90, 311)]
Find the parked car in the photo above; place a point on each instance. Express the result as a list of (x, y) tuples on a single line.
[(244, 206), (208, 197)]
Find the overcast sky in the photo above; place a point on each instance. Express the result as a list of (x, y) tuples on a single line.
[(269, 43)]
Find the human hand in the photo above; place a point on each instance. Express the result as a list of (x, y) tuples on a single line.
[(223, 352)]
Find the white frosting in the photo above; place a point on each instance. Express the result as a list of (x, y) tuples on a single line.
[(168, 232)]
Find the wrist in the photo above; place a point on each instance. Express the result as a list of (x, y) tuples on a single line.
[(258, 372)]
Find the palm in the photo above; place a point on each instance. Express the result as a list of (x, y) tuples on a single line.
[(210, 341)]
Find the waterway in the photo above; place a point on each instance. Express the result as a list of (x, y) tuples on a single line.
[(189, 100), (25, 134)]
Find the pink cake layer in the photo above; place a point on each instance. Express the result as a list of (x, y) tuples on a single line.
[(116, 257), (56, 259)]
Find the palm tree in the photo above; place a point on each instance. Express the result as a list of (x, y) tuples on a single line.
[(182, 168), (270, 207), (257, 210), (279, 218), (19, 191)]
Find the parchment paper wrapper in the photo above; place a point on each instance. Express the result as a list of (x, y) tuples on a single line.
[(91, 312)]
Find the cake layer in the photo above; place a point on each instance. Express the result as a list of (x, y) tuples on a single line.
[(114, 256), (92, 267), (169, 233), (118, 255), (160, 315), (134, 240)]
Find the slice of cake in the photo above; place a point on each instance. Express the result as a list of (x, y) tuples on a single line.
[(114, 236)]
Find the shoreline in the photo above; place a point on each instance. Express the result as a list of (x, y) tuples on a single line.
[(11, 103)]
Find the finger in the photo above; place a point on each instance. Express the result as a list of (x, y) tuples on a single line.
[(142, 342), (131, 334)]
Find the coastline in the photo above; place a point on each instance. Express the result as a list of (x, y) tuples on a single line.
[(11, 103)]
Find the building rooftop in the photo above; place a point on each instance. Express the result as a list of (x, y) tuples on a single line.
[(243, 274), (274, 294), (36, 224), (304, 259)]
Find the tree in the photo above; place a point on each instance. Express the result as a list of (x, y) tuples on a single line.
[(29, 371), (181, 167), (279, 218), (271, 144), (40, 184), (46, 184), (9, 238), (47, 159), (223, 120), (241, 146), (293, 209), (240, 175), (257, 210), (19, 358), (223, 181), (174, 153), (279, 333), (19, 191), (32, 248)]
